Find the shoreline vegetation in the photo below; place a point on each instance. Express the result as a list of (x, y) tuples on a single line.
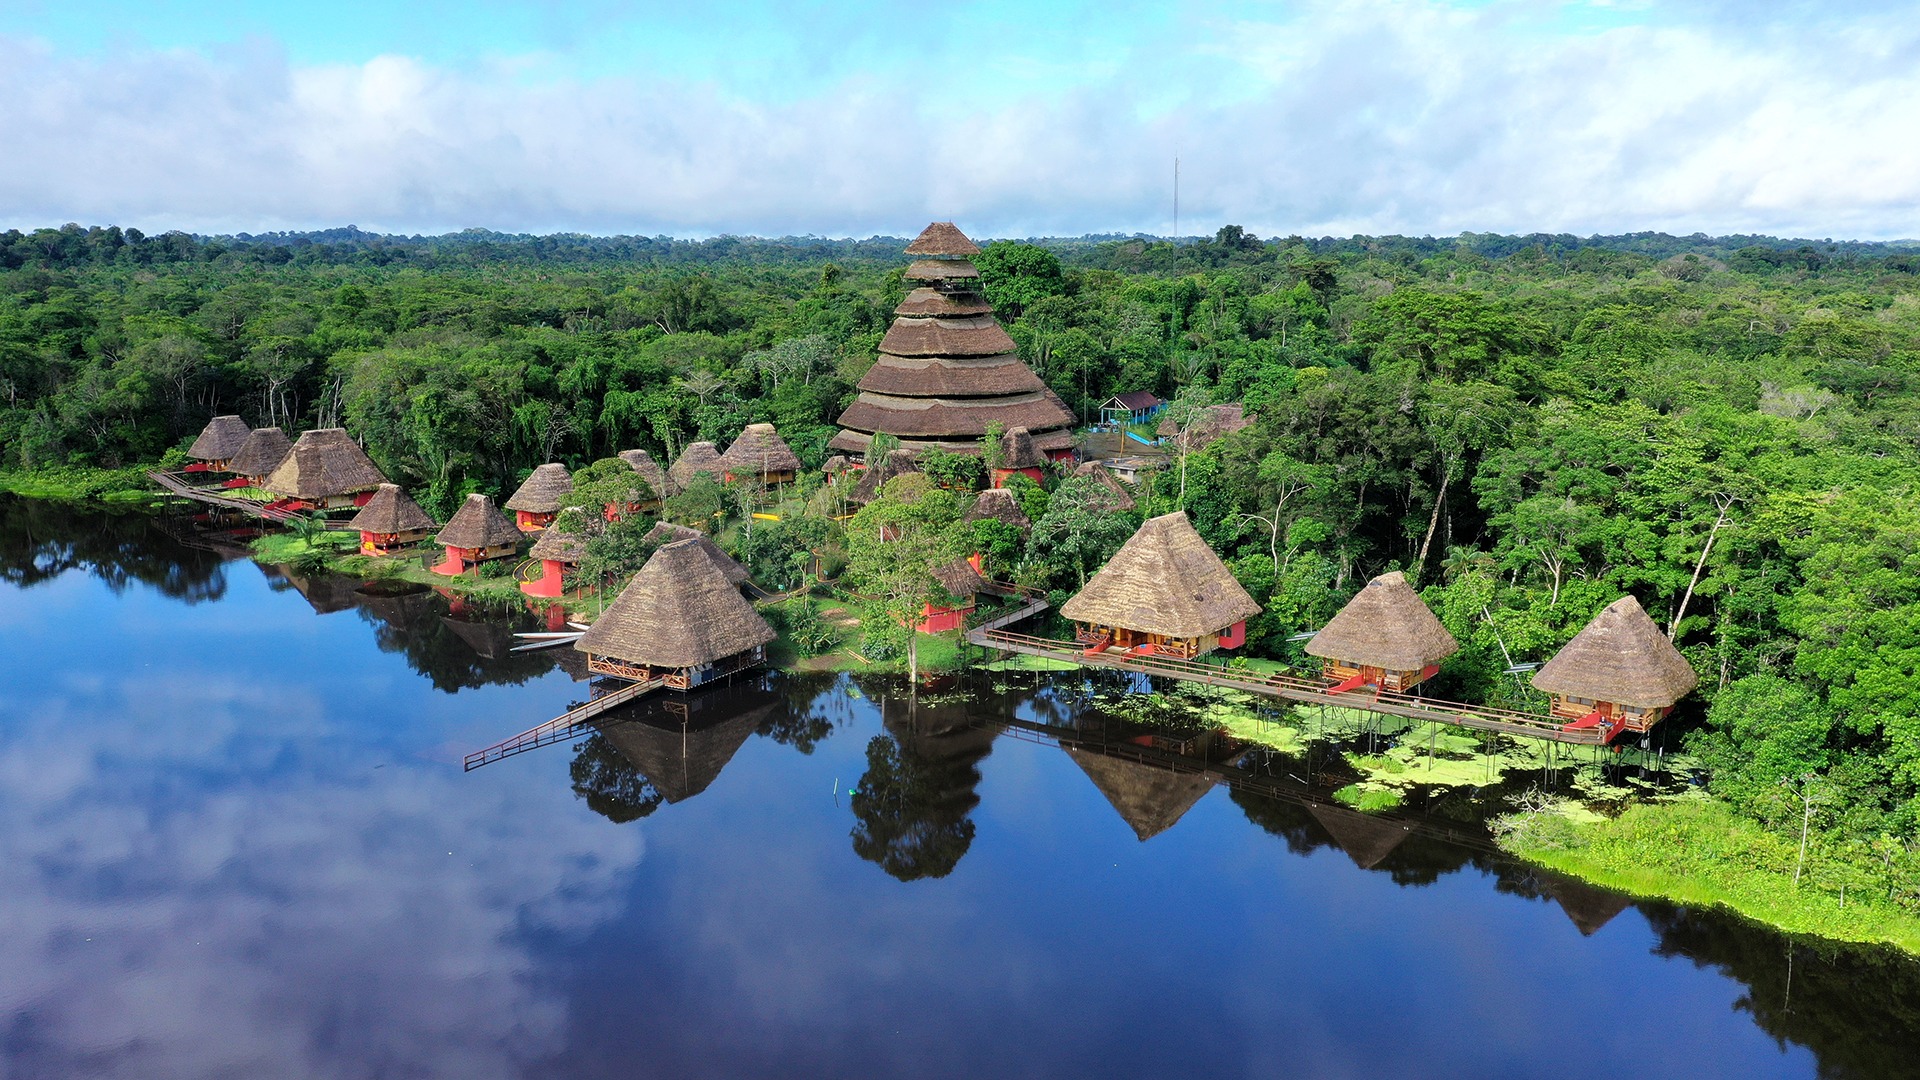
[(1527, 429)]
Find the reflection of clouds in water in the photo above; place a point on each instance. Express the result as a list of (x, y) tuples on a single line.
[(181, 899)]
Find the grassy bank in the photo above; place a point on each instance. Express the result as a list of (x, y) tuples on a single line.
[(338, 553), (76, 483), (1699, 852)]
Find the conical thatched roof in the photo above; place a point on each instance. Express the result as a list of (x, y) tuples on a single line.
[(1206, 425), (896, 463), (544, 492), (759, 450), (836, 464), (1366, 839), (679, 611), (697, 458), (479, 524), (1000, 505), (681, 760), (1385, 626), (262, 452), (220, 439), (390, 511), (649, 470), (324, 463), (959, 578), (1114, 494), (1163, 580), (560, 546), (666, 532), (1150, 799), (1621, 657), (943, 238), (1017, 450)]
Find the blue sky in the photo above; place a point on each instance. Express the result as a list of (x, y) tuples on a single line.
[(1415, 116)]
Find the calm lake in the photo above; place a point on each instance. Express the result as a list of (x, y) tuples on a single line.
[(238, 841)]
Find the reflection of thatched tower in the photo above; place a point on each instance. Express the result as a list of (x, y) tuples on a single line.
[(1385, 638), (1150, 798), (1366, 839), (913, 801)]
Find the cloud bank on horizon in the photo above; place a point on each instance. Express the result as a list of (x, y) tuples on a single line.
[(1410, 116)]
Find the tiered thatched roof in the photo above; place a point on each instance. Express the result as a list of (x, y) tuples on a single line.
[(220, 439), (479, 524), (1018, 452), (544, 492), (1206, 425), (947, 369), (1149, 799), (649, 470), (1621, 657), (1366, 839), (389, 512), (1163, 580), (262, 452), (1115, 495), (324, 463), (559, 546), (667, 532), (896, 463), (679, 611), (758, 451), (1385, 626), (1000, 505), (697, 458)]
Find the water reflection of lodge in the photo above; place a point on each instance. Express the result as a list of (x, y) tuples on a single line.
[(680, 745)]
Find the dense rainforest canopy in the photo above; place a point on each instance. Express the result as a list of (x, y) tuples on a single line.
[(1529, 427)]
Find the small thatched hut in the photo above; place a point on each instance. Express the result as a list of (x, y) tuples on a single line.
[(1163, 593), (760, 454), (262, 452), (217, 443), (390, 522), (666, 532), (1019, 455), (557, 551), (1385, 638), (697, 458), (1620, 673), (679, 620), (650, 471), (478, 532), (1149, 798), (1112, 494), (875, 476), (539, 498), (1205, 426), (961, 581), (1000, 505), (326, 469)]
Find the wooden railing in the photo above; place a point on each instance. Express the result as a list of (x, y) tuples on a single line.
[(562, 727)]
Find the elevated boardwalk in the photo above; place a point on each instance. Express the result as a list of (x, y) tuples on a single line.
[(992, 635), (563, 727), (176, 483)]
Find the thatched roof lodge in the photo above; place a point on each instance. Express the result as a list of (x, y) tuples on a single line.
[(477, 533), (1163, 593), (666, 532), (262, 452), (961, 581), (1385, 637), (947, 370), (680, 620), (697, 458), (650, 471), (1000, 505), (390, 522), (540, 496), (1112, 493), (1149, 798), (556, 551), (1620, 672), (760, 453), (327, 469), (217, 443), (1018, 454)]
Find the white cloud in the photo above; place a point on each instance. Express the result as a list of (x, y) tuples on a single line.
[(1379, 117)]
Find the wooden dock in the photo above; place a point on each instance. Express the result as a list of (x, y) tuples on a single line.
[(563, 727)]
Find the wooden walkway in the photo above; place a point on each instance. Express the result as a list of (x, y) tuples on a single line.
[(1481, 717), (177, 484), (563, 727)]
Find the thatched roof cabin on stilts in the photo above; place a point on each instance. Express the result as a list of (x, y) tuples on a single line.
[(478, 532), (216, 444), (760, 454), (262, 452), (666, 532), (696, 459), (540, 496), (961, 581), (557, 551), (679, 620), (947, 371), (390, 522), (326, 469), (1163, 593), (1620, 673), (1385, 637), (1149, 798)]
